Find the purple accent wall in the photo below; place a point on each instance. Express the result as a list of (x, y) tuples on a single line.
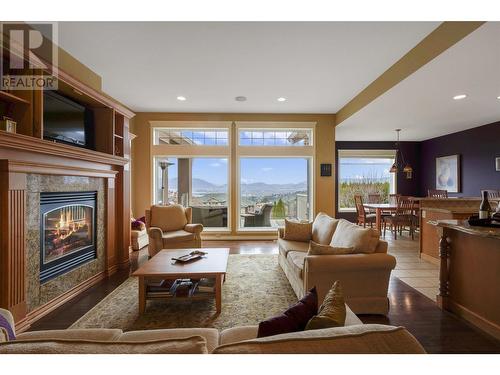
[(411, 151), (477, 148)]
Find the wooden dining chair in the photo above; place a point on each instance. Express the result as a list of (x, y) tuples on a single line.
[(363, 217), (404, 216), (492, 194), (436, 193), (374, 198)]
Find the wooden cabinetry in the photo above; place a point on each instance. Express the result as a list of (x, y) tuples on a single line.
[(27, 152)]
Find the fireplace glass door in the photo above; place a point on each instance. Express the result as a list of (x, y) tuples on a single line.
[(67, 231)]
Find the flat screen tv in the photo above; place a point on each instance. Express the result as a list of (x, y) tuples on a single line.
[(66, 121)]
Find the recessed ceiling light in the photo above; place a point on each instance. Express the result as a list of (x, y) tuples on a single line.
[(181, 98), (461, 96), (498, 97), (240, 98), (281, 99)]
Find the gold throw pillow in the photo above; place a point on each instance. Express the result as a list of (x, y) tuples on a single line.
[(332, 312), (318, 249), (295, 231)]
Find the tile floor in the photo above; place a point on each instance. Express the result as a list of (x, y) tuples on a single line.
[(417, 273)]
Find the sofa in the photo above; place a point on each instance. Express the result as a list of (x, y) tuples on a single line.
[(354, 337), (364, 275), (171, 227)]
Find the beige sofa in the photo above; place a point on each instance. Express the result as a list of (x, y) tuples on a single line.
[(354, 337), (170, 227), (364, 276)]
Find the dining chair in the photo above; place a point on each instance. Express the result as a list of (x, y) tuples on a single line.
[(374, 198), (492, 194), (363, 217), (404, 216), (436, 193)]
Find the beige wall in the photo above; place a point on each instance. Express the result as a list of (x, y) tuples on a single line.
[(324, 152)]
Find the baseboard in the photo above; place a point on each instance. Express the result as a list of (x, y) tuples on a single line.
[(483, 324), (430, 259), (45, 309)]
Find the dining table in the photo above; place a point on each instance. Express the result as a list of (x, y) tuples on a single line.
[(379, 208), (385, 207)]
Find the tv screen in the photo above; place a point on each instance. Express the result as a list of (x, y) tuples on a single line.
[(65, 120)]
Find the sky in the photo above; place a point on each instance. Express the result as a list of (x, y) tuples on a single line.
[(353, 168)]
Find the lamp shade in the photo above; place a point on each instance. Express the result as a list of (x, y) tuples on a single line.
[(394, 168)]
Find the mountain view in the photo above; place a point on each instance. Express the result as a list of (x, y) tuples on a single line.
[(259, 188)]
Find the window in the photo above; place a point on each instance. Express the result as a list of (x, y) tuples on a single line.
[(272, 189), (200, 183), (363, 172), (275, 137), (190, 136)]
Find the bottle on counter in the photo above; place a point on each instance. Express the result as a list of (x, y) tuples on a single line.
[(485, 208)]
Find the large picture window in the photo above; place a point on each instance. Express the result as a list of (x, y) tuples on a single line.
[(200, 183), (272, 190), (364, 172), (236, 176)]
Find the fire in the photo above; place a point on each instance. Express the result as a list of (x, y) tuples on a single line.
[(67, 226)]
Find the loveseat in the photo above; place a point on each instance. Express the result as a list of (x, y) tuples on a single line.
[(364, 273), (354, 337)]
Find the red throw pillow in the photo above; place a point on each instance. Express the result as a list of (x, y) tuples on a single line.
[(292, 320)]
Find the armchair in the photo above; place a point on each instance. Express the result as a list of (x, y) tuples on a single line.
[(171, 227)]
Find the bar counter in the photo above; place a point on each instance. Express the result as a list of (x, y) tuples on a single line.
[(432, 209), (469, 277)]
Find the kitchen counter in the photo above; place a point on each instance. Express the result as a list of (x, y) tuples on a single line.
[(469, 275)]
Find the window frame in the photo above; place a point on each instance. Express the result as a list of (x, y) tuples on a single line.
[(228, 191), (249, 151), (363, 154)]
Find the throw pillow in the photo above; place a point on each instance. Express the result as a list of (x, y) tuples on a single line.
[(323, 228), (293, 319), (332, 312), (6, 330), (295, 231), (138, 225), (347, 234), (318, 249)]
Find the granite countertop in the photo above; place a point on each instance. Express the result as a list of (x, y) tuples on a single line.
[(463, 226)]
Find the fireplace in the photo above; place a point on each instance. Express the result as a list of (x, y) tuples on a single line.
[(67, 231)]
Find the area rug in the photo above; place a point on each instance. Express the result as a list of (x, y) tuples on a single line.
[(256, 288)]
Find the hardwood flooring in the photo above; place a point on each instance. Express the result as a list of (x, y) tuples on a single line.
[(438, 331)]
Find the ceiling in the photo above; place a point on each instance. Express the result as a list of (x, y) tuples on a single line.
[(422, 104), (317, 66)]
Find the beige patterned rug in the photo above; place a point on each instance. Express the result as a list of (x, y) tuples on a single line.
[(256, 288)]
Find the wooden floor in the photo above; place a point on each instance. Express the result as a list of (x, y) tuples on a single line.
[(437, 331)]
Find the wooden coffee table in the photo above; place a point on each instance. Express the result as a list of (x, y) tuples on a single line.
[(161, 266)]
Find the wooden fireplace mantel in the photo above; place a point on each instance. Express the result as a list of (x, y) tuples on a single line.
[(27, 144)]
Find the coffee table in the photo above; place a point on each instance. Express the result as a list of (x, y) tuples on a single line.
[(161, 266)]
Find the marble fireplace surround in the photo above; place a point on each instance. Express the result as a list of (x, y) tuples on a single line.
[(38, 294)]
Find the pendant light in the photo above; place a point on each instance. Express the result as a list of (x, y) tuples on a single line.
[(400, 161)]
